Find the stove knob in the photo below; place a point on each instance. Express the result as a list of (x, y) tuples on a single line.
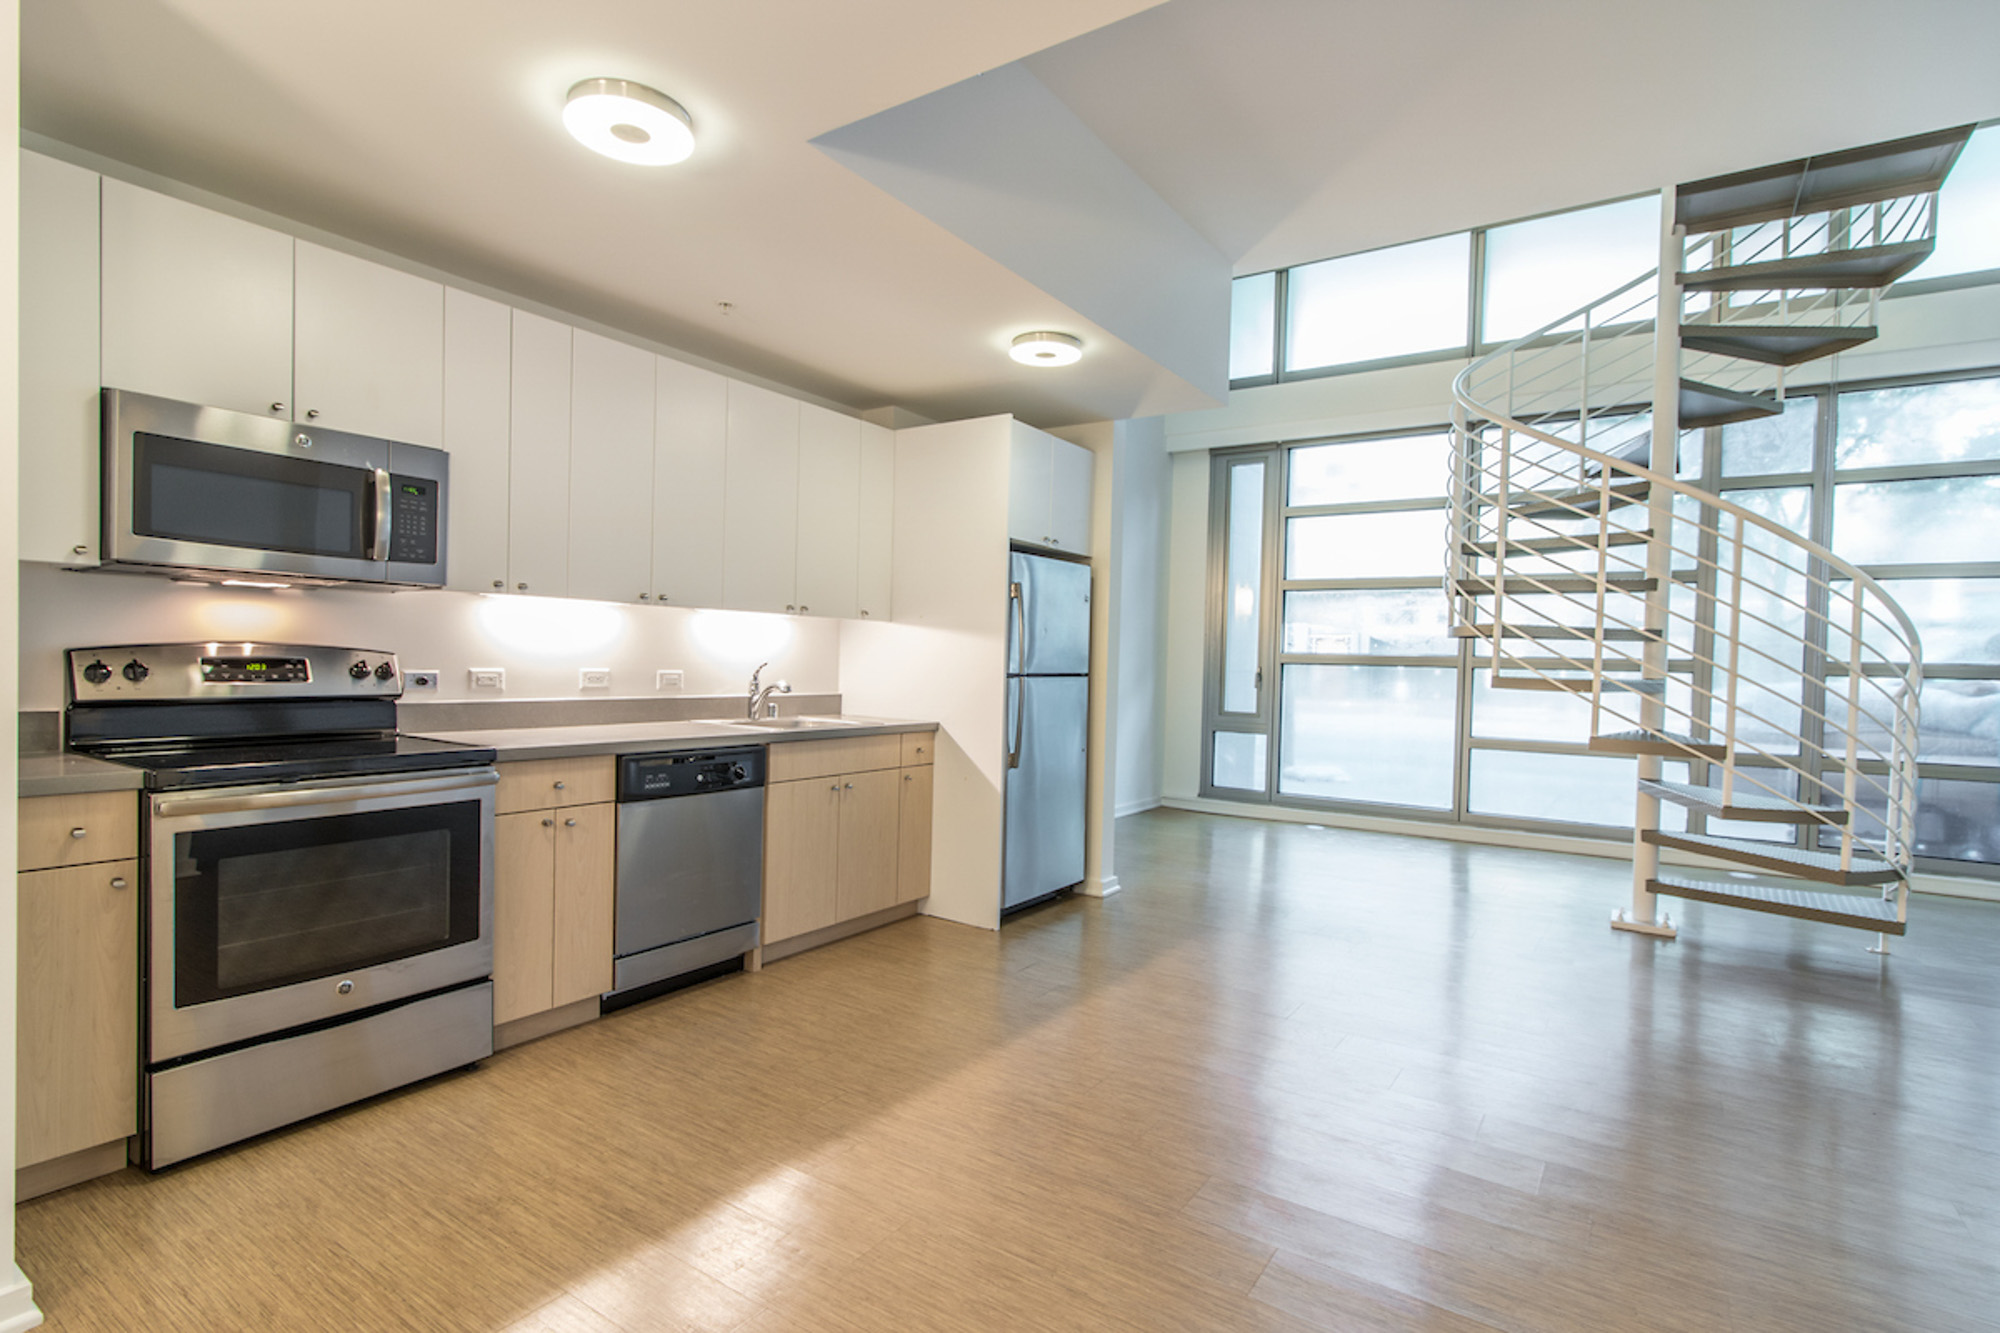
[(386, 671), (359, 670), (736, 773), (136, 671), (97, 673)]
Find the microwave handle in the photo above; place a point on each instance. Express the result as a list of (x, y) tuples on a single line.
[(382, 497)]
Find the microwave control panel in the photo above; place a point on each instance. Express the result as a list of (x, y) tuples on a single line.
[(413, 520)]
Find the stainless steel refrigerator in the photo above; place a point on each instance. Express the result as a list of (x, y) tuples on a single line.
[(1048, 726)]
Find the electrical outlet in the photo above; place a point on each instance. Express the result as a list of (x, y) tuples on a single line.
[(489, 678), (420, 678), (670, 680), (593, 678)]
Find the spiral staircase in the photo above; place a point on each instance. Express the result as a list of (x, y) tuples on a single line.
[(1764, 684)]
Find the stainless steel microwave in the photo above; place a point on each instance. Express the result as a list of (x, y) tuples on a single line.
[(210, 491)]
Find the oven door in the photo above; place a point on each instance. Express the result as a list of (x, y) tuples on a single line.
[(270, 908)]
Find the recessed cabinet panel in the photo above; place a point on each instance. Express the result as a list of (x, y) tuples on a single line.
[(478, 371), (690, 424), (913, 835), (585, 913), (1031, 469), (59, 371), (829, 512), (760, 540), (538, 458), (801, 856), (1071, 486), (610, 470), (368, 352), (869, 806), (197, 305), (524, 893), (877, 519)]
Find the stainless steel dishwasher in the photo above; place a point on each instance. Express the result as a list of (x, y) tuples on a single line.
[(690, 864)]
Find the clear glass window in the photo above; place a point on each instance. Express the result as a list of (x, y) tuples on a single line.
[(1783, 443), (1954, 422), (1408, 467), (1934, 520), (1239, 761), (1383, 735), (1968, 231), (1400, 301), (1957, 619), (1243, 588), (1540, 270), (1253, 326), (1569, 788), (1376, 622), (1408, 542)]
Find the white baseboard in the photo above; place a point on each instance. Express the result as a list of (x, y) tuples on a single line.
[(1138, 807), (17, 1301), (1104, 887)]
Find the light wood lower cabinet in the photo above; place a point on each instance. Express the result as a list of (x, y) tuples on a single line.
[(842, 845), (553, 907), (78, 1060)]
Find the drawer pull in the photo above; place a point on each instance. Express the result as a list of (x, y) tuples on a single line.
[(850, 786), (77, 832), (560, 786), (548, 823), (118, 882), (569, 823), (907, 777)]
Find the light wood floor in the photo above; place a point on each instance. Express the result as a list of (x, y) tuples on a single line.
[(1290, 1079)]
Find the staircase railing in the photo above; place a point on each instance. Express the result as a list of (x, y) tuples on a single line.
[(1796, 663)]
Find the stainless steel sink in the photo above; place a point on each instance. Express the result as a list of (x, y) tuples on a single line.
[(799, 723)]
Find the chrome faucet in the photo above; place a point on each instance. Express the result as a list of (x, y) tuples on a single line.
[(760, 699)]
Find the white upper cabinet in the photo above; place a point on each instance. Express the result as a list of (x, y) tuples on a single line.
[(877, 513), (197, 305), (829, 513), (538, 458), (59, 376), (1072, 481), (368, 352), (761, 505), (690, 433), (610, 470), (478, 370)]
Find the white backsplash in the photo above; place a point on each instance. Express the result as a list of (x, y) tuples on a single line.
[(542, 642)]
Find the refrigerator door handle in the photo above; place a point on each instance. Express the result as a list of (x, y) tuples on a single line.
[(1020, 716), (1020, 628)]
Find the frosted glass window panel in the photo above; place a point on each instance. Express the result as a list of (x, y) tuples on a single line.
[(1238, 761), (1389, 622), (1363, 546), (1384, 303), (1968, 231), (1408, 467), (1783, 443), (1243, 588), (1958, 619), (1253, 326), (1956, 820), (1565, 788), (1959, 720), (1937, 520), (1954, 422), (1383, 735), (1539, 271)]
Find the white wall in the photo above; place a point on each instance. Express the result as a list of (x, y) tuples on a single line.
[(541, 641), (1142, 492), (1186, 629)]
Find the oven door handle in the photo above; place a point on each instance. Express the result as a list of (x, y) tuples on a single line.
[(382, 515), (328, 793)]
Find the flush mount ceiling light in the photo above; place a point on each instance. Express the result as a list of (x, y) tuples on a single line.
[(629, 121), (1046, 349)]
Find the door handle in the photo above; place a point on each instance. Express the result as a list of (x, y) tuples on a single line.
[(381, 548), (1020, 716), (1020, 628)]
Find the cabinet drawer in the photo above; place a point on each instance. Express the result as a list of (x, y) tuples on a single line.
[(919, 747), (846, 754), (545, 784), (76, 830)]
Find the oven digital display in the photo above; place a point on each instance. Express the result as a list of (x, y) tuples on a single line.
[(238, 670)]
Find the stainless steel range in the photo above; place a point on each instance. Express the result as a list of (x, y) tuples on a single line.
[(319, 907)]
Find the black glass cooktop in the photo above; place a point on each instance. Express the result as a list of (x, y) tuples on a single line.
[(291, 760)]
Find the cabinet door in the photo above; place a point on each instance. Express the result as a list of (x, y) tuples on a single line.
[(538, 458), (524, 895), (197, 304), (610, 469), (913, 835), (877, 521), (829, 512), (801, 848), (368, 347), (869, 808), (478, 354), (1030, 469), (79, 1009), (59, 373), (1072, 481), (760, 537), (690, 426), (586, 836)]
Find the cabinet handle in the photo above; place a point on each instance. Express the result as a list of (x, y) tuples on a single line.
[(548, 823), (522, 586), (645, 597), (560, 785), (277, 407), (834, 788), (864, 613), (500, 583), (569, 823), (803, 608), (77, 832), (907, 777), (79, 550), (850, 787), (791, 608), (312, 414), (118, 881)]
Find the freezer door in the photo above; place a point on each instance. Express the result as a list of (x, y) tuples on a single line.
[(1055, 612), (1045, 792)]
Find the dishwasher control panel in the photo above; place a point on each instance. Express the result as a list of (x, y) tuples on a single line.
[(652, 777)]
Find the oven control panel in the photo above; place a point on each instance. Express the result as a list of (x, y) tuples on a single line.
[(164, 672)]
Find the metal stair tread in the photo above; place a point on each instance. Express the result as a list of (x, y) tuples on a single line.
[(1750, 806), (1544, 544), (1672, 744), (1863, 266), (1579, 633), (1866, 175), (1712, 405), (1864, 912), (1578, 684), (1581, 502), (1866, 868), (1482, 584), (1776, 344)]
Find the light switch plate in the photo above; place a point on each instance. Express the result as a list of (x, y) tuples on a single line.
[(670, 680), (420, 678), (593, 678), (489, 678)]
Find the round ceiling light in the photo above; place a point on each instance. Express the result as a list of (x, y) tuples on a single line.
[(629, 121), (1046, 349)]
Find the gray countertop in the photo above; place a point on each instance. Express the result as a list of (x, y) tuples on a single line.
[(57, 774), (627, 737)]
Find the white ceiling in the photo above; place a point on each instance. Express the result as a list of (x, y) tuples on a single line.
[(1281, 130)]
